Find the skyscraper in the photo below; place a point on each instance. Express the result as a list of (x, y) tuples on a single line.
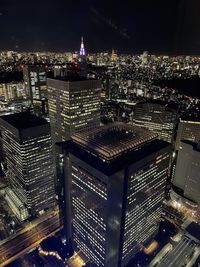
[(156, 116), (74, 104), (115, 178), (187, 173), (35, 81), (188, 129), (28, 148)]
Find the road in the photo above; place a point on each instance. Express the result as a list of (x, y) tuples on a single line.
[(28, 238), (177, 256)]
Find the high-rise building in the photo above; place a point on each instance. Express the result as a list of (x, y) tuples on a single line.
[(28, 149), (74, 104), (156, 116), (113, 55), (35, 81), (10, 91), (187, 173), (115, 179), (188, 129)]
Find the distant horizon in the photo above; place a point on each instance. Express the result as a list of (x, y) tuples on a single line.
[(169, 27), (100, 51)]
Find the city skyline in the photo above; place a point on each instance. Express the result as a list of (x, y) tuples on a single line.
[(100, 133)]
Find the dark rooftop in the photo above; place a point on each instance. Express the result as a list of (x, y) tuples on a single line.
[(196, 146), (168, 105), (71, 78), (23, 120), (109, 168), (110, 141), (194, 230)]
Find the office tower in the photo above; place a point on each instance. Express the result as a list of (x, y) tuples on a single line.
[(156, 116), (28, 148), (187, 173), (115, 178), (10, 91), (35, 82), (74, 104), (188, 129)]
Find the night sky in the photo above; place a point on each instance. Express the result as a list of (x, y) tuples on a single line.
[(159, 26)]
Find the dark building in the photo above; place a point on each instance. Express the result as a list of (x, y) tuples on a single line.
[(28, 149), (115, 179), (187, 173), (35, 82), (74, 104), (157, 116), (188, 128)]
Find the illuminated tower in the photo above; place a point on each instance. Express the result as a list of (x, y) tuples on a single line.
[(113, 55), (82, 49)]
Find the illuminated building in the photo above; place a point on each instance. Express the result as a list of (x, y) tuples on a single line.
[(40, 107), (82, 49), (74, 104), (115, 178), (28, 148), (16, 204), (10, 91), (156, 116), (188, 129), (187, 173), (35, 82), (113, 55)]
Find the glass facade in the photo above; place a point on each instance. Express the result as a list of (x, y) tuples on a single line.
[(30, 165), (35, 81), (73, 106), (116, 197), (157, 118), (146, 187), (89, 195), (188, 130), (187, 175)]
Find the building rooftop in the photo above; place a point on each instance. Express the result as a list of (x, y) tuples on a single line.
[(190, 116), (194, 230), (195, 146), (111, 141), (170, 106), (111, 167), (71, 78), (23, 120)]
